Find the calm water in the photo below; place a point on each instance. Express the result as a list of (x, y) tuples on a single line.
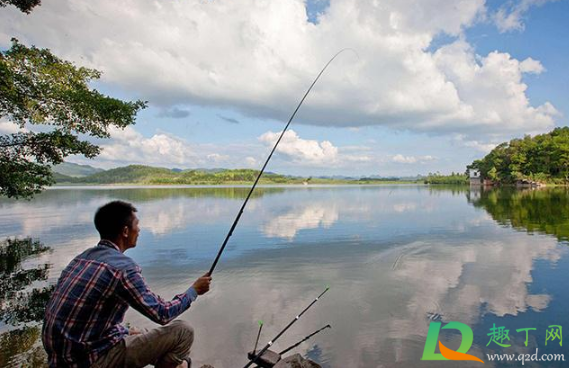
[(395, 257)]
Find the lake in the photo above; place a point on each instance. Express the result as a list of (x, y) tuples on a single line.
[(396, 258)]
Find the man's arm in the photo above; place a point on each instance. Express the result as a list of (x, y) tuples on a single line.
[(137, 294)]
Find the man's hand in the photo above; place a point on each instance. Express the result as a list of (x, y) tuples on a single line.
[(202, 284), (137, 331)]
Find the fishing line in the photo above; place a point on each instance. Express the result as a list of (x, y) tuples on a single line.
[(267, 161)]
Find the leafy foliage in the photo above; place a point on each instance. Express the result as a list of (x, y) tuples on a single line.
[(25, 6), (452, 179), (543, 158), (36, 87)]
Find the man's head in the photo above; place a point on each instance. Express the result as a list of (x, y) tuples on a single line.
[(116, 221)]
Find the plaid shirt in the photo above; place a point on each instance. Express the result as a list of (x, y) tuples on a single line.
[(84, 315)]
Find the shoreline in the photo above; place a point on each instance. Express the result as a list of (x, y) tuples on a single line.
[(247, 185)]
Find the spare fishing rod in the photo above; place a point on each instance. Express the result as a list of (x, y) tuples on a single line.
[(265, 165), (258, 335), (263, 350), (269, 358), (303, 340)]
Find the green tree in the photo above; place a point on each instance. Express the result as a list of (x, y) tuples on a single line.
[(38, 88), (24, 5), (543, 158)]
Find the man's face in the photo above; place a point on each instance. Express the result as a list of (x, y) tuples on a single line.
[(133, 232)]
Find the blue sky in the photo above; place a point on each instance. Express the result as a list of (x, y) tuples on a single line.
[(543, 38), (435, 86)]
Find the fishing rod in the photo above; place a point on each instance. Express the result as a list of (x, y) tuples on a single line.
[(263, 350), (303, 340), (265, 165), (258, 335)]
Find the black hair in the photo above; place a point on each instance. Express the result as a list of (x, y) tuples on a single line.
[(111, 218)]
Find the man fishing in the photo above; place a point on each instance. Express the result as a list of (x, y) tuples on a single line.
[(82, 325)]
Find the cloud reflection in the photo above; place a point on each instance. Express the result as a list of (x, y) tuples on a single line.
[(305, 216), (438, 256), (379, 301)]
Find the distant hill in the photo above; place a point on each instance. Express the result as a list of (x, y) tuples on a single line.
[(60, 178), (214, 170), (336, 177), (75, 170), (148, 175), (140, 174), (133, 174)]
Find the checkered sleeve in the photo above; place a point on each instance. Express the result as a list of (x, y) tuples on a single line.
[(137, 294)]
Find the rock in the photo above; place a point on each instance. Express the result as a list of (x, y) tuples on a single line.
[(207, 366), (296, 361)]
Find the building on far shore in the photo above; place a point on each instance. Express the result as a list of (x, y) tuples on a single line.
[(475, 179)]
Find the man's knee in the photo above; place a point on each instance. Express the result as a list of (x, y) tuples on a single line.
[(184, 331)]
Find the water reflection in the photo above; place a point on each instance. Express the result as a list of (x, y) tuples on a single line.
[(543, 210), (394, 256), (302, 216), (380, 297), (19, 348), (20, 302)]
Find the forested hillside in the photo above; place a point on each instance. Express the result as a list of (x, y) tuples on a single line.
[(543, 158), (140, 174)]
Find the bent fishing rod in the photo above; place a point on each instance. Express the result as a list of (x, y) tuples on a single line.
[(265, 165), (263, 350)]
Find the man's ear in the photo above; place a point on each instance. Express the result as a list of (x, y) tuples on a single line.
[(125, 231)]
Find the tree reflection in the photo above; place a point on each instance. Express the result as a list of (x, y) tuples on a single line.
[(544, 210), (20, 303), (144, 194), (19, 348)]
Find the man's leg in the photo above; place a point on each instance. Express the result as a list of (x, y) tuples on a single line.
[(163, 347), (113, 358)]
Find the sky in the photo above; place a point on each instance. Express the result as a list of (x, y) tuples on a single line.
[(428, 85)]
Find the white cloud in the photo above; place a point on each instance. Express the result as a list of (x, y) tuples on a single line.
[(251, 161), (399, 158), (315, 154), (259, 56), (479, 146), (302, 150), (130, 146), (7, 127), (532, 66), (493, 87), (482, 147), (217, 158), (510, 16), (404, 159)]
